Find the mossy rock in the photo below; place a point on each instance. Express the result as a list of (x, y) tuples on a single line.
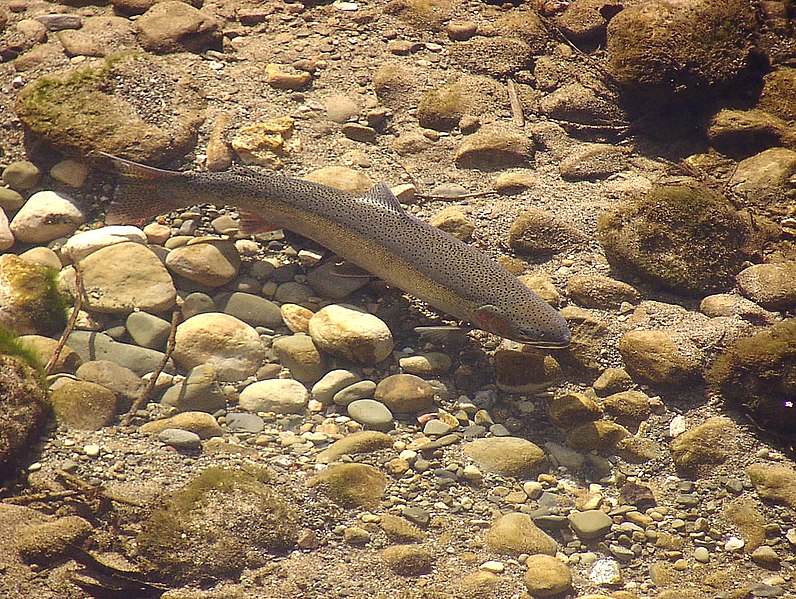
[(758, 375), (109, 108), (443, 107), (221, 522), (29, 298), (352, 485), (681, 237), (22, 410)]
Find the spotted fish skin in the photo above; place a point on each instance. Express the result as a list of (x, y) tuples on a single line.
[(372, 231)]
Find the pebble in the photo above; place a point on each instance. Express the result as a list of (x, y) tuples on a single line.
[(124, 277), (251, 309), (590, 524), (370, 413), (702, 555), (180, 439), (405, 393), (201, 423), (6, 236), (280, 77), (355, 391), (493, 566), (332, 382), (92, 450), (283, 396), (198, 392), (229, 344), (416, 515), (426, 364), (46, 215), (148, 330), (10, 200), (21, 175), (211, 262), (606, 572), (352, 334), (70, 172), (546, 576)]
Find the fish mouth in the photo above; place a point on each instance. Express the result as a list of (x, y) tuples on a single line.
[(548, 344)]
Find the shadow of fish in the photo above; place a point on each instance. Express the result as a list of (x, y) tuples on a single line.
[(373, 231)]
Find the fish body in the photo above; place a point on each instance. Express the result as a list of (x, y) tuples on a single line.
[(372, 231)]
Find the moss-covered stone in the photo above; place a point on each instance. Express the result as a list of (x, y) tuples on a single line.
[(22, 410), (357, 485), (221, 522), (52, 541), (29, 298), (681, 237), (443, 107), (758, 375), (108, 108)]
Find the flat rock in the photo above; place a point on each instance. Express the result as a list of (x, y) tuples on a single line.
[(508, 456), (600, 435), (332, 382), (45, 216), (353, 392), (546, 576), (126, 384), (572, 409), (201, 423), (325, 281), (126, 276), (704, 445), (590, 524), (494, 148), (590, 162), (211, 262), (774, 482), (359, 442), (99, 36), (612, 380), (351, 485), (371, 413), (763, 179), (515, 533), (82, 244), (494, 56), (283, 396), (341, 177), (50, 541), (629, 408), (180, 439), (405, 393), (728, 304), (595, 291), (229, 344), (352, 334), (251, 309), (83, 405), (772, 286), (660, 357), (148, 330), (92, 346), (173, 26), (538, 232)]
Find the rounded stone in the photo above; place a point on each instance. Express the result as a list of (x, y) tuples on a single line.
[(772, 286), (349, 333), (124, 277), (46, 215), (283, 396), (515, 533), (229, 344), (251, 309), (21, 175), (198, 392), (351, 485), (201, 423), (83, 405), (211, 262), (148, 330), (408, 560), (125, 383), (353, 392), (704, 445), (341, 177), (660, 357), (590, 524), (84, 243), (405, 393), (332, 382), (371, 413), (572, 409), (546, 576), (298, 354), (508, 456), (179, 438), (426, 364), (297, 318)]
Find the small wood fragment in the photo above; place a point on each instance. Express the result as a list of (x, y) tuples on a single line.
[(517, 112)]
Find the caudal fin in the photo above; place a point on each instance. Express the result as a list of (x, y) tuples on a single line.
[(142, 193)]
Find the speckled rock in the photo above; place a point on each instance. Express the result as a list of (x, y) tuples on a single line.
[(201, 423), (352, 334), (493, 147), (82, 244), (408, 560), (660, 357), (297, 318), (353, 485), (508, 456), (211, 262), (572, 409), (537, 232), (774, 482), (283, 396), (600, 435), (495, 56), (124, 277), (515, 533), (704, 445), (594, 291), (762, 179), (629, 408), (359, 442), (546, 576), (229, 344), (593, 161), (405, 393), (299, 354), (173, 26), (773, 286), (442, 108), (83, 405), (589, 337), (45, 216), (198, 392)]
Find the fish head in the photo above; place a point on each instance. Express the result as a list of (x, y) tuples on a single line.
[(539, 325)]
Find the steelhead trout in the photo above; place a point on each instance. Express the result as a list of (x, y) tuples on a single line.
[(372, 231)]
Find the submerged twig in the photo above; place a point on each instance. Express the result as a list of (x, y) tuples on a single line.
[(475, 194), (175, 319), (517, 112), (70, 325)]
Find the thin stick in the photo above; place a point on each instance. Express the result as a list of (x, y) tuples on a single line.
[(175, 319), (476, 194), (517, 113), (70, 325)]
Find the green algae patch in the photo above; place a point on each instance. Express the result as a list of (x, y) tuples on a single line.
[(111, 108), (30, 302), (682, 237), (221, 522), (11, 345), (758, 375), (352, 485)]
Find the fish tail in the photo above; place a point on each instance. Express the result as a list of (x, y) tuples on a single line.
[(142, 192)]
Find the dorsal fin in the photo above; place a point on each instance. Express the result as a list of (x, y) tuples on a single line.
[(381, 195)]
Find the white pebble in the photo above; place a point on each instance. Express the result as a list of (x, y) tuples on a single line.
[(92, 450)]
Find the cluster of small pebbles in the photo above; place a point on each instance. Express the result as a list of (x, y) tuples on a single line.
[(298, 436)]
